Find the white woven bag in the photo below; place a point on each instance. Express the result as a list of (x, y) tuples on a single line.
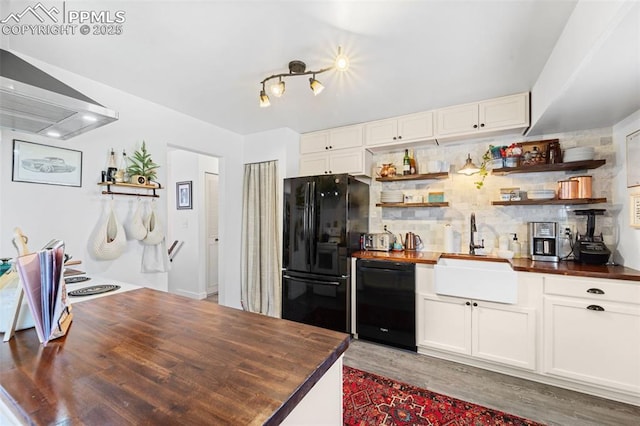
[(110, 241), (135, 227), (155, 233)]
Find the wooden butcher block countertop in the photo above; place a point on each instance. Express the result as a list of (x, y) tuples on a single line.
[(568, 268), (148, 357)]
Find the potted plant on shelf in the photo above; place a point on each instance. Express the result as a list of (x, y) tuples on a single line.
[(142, 168)]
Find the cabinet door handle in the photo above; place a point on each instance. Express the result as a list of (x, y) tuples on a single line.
[(475, 126), (475, 304), (330, 147), (399, 137), (595, 291), (394, 138), (468, 303), (482, 125), (595, 308)]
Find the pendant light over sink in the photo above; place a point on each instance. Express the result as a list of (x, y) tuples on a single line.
[(298, 68), (469, 168)]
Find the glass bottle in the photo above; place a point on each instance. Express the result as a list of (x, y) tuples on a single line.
[(406, 163), (412, 163), (122, 169), (111, 167)]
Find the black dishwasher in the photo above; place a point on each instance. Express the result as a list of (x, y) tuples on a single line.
[(386, 303)]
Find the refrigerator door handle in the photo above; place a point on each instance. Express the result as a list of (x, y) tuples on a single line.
[(305, 224), (304, 280), (312, 222)]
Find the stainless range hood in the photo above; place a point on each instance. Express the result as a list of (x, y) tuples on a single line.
[(32, 101)]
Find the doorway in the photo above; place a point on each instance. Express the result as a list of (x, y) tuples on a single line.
[(195, 269), (211, 231)]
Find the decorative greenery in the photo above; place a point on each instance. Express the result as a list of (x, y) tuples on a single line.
[(142, 164), (483, 168)]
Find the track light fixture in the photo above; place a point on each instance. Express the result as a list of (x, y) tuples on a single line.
[(297, 68)]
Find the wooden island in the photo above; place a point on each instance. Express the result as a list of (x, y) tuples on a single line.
[(148, 357)]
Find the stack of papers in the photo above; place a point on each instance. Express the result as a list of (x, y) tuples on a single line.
[(41, 274)]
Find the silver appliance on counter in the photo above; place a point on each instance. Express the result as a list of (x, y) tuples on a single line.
[(382, 241), (545, 241)]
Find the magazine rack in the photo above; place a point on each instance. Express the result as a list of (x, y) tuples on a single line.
[(20, 241)]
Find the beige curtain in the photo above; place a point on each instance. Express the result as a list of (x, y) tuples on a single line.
[(261, 281)]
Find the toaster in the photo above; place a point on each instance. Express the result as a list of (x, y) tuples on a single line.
[(378, 242)]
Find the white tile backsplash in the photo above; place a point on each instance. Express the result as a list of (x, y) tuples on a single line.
[(492, 221)]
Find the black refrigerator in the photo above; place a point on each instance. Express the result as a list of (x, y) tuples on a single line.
[(324, 217)]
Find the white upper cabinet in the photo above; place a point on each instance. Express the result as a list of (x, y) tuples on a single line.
[(314, 142), (508, 114), (355, 161), (326, 140), (333, 151), (399, 130)]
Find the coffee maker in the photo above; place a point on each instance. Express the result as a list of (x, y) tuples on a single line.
[(545, 241), (590, 248)]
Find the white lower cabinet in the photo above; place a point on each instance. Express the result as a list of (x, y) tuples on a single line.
[(491, 331), (594, 338), (503, 334), (444, 323), (580, 333)]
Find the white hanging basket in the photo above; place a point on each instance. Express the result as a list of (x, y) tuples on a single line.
[(110, 241)]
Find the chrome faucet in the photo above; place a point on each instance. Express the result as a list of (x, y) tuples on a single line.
[(472, 245)]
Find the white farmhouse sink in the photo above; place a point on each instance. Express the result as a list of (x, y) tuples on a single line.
[(476, 279)]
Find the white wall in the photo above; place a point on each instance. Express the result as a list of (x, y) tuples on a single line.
[(587, 28), (280, 144), (629, 242), (45, 211)]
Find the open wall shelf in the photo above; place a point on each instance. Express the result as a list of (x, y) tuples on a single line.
[(425, 176), (443, 204), (557, 167), (550, 202), (109, 191)]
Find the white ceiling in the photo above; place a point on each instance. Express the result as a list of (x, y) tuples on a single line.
[(207, 58)]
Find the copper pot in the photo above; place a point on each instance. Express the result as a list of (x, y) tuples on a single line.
[(567, 189), (584, 186)]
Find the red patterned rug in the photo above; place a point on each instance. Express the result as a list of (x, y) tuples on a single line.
[(369, 399)]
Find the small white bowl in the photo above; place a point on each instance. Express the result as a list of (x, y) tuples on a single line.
[(505, 254)]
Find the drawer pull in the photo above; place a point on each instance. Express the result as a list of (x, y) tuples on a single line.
[(595, 308), (384, 330), (595, 291)]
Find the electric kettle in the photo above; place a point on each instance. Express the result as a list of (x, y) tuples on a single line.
[(412, 241)]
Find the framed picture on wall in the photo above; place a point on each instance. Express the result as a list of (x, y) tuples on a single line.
[(51, 165), (633, 159), (183, 195)]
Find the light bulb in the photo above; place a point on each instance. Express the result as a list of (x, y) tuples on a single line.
[(277, 90), (342, 61), (316, 86), (264, 100)]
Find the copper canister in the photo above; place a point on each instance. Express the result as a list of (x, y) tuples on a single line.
[(584, 186), (567, 189)]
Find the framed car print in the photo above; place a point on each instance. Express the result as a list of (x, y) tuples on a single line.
[(51, 165)]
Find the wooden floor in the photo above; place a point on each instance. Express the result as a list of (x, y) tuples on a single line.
[(531, 400)]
